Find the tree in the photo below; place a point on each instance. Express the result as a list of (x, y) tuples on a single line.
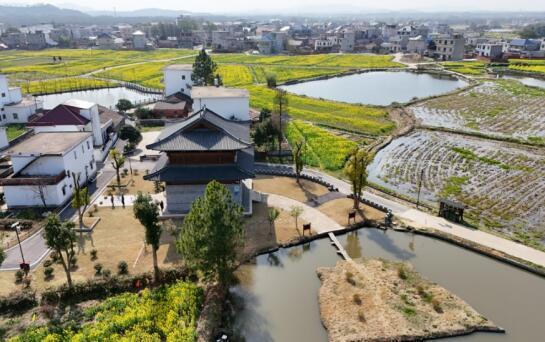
[(297, 151), (271, 80), (273, 216), (264, 133), (2, 256), (147, 212), (80, 198), (203, 69), (280, 108), (131, 134), (123, 105), (39, 192), (212, 233), (295, 212), (59, 236), (356, 170), (117, 162), (144, 113)]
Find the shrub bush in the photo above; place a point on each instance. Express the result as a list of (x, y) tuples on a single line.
[(122, 268), (436, 305), (361, 316), (98, 269), (19, 276), (401, 272), (48, 273), (48, 263), (106, 273), (356, 298), (18, 301), (94, 253), (350, 278)]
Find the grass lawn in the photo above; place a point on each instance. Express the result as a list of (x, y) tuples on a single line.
[(338, 210), (137, 184), (15, 130), (260, 236), (288, 187), (117, 237)]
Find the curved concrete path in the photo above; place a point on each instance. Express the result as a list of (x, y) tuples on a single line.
[(321, 223), (420, 219)]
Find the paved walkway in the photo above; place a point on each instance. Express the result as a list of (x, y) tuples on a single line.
[(420, 219), (321, 223)]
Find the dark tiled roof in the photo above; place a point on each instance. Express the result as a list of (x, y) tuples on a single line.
[(220, 134), (107, 114), (59, 116), (178, 97), (242, 169)]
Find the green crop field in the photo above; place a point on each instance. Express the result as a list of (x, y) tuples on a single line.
[(530, 66), (323, 149), (165, 314), (349, 117), (468, 68), (62, 84)]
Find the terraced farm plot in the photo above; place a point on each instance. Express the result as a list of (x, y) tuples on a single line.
[(529, 66), (474, 68), (504, 108), (502, 185)]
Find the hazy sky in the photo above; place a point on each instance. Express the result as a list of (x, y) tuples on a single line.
[(295, 5)]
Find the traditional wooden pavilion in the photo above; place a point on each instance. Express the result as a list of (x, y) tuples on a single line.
[(202, 148), (451, 210)]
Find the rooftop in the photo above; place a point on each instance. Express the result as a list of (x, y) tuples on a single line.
[(211, 91), (79, 103), (61, 115), (204, 131), (179, 67), (50, 143)]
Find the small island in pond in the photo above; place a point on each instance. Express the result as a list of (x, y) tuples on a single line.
[(379, 300)]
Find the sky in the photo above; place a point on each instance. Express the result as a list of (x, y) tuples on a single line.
[(249, 6)]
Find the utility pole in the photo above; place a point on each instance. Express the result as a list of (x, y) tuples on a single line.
[(24, 266), (419, 188)]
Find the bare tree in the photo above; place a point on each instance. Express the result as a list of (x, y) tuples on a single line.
[(280, 108), (80, 198), (297, 151), (356, 170), (39, 192)]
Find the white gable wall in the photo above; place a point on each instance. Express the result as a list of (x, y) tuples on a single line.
[(177, 81), (227, 107)]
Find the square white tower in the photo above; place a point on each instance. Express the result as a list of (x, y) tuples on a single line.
[(177, 78)]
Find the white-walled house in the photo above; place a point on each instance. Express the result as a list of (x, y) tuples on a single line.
[(14, 107), (43, 167), (230, 103), (177, 78), (82, 116)]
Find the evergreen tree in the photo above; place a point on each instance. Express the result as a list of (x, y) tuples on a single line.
[(147, 212), (60, 237), (203, 69), (211, 234)]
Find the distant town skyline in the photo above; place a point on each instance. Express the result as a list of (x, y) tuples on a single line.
[(293, 6)]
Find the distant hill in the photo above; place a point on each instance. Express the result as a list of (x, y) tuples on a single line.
[(145, 12), (30, 15)]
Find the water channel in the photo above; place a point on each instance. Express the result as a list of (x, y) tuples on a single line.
[(278, 293), (106, 97), (379, 88)]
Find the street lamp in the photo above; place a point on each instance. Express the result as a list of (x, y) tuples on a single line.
[(24, 266)]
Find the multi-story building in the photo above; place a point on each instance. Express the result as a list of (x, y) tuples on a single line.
[(44, 166), (489, 50), (139, 41), (14, 107), (36, 40), (450, 47)]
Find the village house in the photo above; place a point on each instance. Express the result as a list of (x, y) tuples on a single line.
[(417, 44), (14, 107), (44, 167), (202, 148), (489, 50), (82, 116), (450, 47), (182, 98)]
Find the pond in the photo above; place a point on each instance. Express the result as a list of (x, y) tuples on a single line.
[(106, 97), (380, 88), (279, 293), (529, 81)]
